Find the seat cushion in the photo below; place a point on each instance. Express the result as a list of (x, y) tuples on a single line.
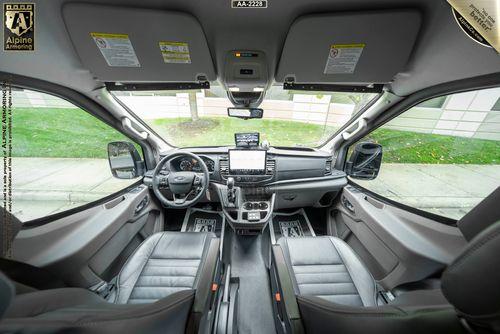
[(326, 267), (165, 263)]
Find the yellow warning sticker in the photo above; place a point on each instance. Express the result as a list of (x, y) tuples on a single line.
[(343, 58), (116, 49), (175, 52)]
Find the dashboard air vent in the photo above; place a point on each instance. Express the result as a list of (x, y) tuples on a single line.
[(270, 167), (223, 167), (328, 167)]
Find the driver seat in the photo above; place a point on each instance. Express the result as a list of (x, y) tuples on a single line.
[(164, 287)]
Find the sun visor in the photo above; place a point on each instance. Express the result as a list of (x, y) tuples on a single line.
[(119, 44), (349, 48)]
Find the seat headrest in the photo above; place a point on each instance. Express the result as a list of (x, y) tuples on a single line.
[(9, 227), (7, 293), (481, 216), (472, 282)]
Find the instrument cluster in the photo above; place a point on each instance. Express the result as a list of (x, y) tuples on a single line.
[(186, 164)]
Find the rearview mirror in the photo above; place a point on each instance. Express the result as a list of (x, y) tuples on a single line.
[(124, 160), (245, 113), (364, 163)]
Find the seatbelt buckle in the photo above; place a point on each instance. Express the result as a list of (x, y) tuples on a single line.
[(103, 289)]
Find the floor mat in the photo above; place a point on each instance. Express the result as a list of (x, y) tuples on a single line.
[(201, 220), (290, 225)]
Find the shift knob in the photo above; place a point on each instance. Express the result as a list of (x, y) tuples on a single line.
[(230, 183)]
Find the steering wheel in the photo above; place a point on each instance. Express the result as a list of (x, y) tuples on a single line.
[(181, 184)]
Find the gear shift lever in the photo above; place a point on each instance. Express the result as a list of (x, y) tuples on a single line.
[(231, 197)]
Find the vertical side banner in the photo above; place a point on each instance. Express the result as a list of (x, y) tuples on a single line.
[(6, 223)]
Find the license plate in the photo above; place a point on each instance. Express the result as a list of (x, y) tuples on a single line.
[(204, 225), (248, 3), (291, 229)]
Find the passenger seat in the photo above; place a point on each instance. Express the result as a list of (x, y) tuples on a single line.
[(164, 287), (321, 286)]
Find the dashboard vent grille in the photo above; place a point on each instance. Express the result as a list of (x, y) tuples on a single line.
[(224, 167), (328, 167), (270, 167)]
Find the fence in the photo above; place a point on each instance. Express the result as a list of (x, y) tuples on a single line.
[(471, 114)]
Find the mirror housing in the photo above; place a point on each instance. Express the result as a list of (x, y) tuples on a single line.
[(364, 162), (124, 160), (245, 113)]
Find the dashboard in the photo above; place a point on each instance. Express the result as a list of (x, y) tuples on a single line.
[(297, 177)]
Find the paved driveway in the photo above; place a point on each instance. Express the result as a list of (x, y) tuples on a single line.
[(42, 186)]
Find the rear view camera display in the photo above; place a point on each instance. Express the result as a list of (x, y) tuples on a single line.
[(247, 139)]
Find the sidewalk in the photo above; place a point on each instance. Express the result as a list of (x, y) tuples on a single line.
[(447, 190), (42, 186)]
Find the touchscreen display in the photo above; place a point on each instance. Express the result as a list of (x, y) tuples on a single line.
[(247, 160)]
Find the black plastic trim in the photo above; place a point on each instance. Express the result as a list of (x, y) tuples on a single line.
[(376, 88), (425, 214), (49, 219), (144, 86)]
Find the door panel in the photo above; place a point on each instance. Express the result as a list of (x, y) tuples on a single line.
[(396, 245), (93, 244)]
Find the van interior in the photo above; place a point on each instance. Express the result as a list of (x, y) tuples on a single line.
[(275, 167)]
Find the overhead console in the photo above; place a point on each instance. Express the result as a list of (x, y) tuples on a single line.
[(353, 48), (246, 71), (132, 45)]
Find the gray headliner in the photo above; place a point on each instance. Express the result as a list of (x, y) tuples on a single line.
[(442, 53)]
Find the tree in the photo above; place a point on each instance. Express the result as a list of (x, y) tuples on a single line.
[(359, 100), (193, 106)]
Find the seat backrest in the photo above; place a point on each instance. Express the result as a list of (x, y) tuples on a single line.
[(481, 216), (9, 227), (472, 282), (6, 293)]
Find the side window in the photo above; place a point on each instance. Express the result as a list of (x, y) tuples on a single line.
[(441, 156), (59, 156)]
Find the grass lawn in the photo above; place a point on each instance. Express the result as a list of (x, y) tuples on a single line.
[(413, 147), (220, 131), (75, 134), (55, 132)]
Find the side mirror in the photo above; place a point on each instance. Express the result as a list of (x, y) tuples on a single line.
[(124, 160), (245, 113), (364, 162)]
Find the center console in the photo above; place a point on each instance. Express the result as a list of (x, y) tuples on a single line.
[(247, 207)]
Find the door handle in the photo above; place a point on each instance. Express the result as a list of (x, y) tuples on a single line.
[(348, 205), (142, 204)]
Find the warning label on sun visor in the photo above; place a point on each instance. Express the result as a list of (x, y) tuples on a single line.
[(116, 49), (343, 58), (175, 52)]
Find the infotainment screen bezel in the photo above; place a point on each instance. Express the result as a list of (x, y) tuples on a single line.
[(247, 171)]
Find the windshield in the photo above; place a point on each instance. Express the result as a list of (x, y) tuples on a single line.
[(199, 118)]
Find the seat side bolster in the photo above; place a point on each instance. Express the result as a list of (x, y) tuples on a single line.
[(206, 274), (132, 269), (286, 284), (321, 316), (361, 277)]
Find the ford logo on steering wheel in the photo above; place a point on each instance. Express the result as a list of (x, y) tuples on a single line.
[(179, 178)]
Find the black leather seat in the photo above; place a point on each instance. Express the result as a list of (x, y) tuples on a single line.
[(164, 287), (326, 267), (325, 288)]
